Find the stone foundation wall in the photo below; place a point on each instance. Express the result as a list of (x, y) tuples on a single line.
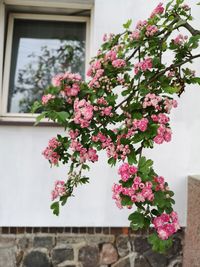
[(83, 247)]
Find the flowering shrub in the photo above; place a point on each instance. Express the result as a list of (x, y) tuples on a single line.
[(97, 118)]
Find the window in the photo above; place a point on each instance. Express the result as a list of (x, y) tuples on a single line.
[(38, 47)]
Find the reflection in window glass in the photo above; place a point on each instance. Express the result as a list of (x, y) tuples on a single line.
[(40, 50)]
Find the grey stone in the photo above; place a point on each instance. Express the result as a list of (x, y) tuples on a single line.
[(123, 245), (62, 253), (123, 263), (156, 259), (99, 238), (89, 256), (178, 262), (7, 257), (23, 243), (108, 254), (176, 248), (43, 241), (140, 244), (71, 239), (37, 258), (140, 261), (7, 241), (19, 256)]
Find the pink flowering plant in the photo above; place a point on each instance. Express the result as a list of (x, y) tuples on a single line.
[(123, 124)]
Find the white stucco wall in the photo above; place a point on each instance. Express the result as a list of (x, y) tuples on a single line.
[(26, 178)]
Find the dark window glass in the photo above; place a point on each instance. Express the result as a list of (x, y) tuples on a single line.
[(40, 50)]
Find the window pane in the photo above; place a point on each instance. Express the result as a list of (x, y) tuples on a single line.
[(40, 50)]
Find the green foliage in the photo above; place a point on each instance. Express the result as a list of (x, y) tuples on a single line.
[(158, 244), (55, 208), (146, 87)]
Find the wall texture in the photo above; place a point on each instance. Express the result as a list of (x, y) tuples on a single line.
[(26, 179), (83, 247)]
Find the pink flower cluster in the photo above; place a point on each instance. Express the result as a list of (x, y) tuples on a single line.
[(161, 118), (144, 65), (59, 190), (113, 150), (108, 37), (103, 107), (160, 183), (166, 225), (158, 10), (152, 100), (163, 134), (83, 112), (141, 24), (140, 124), (169, 104), (85, 154), (126, 171), (138, 192), (46, 98), (119, 63), (151, 30), (49, 152), (96, 71), (59, 78), (135, 35), (180, 39)]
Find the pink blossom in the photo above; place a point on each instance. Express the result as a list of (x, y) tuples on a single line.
[(166, 225), (169, 104), (151, 30), (46, 98), (141, 124), (119, 63), (73, 134), (49, 152), (126, 171), (159, 139), (141, 24), (111, 55), (158, 10), (59, 190), (135, 35), (83, 112), (92, 155), (144, 65), (180, 39), (56, 80)]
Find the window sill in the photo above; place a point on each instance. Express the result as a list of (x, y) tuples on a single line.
[(26, 121)]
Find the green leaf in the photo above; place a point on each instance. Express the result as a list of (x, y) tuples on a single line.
[(85, 167), (126, 201), (63, 199), (159, 245), (55, 208), (40, 117), (126, 92), (137, 220), (132, 157), (169, 4), (62, 116), (171, 89), (195, 80), (84, 180), (127, 24), (112, 161), (36, 106)]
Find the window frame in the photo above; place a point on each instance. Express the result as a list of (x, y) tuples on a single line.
[(28, 117)]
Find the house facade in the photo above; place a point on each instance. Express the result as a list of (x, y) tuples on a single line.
[(32, 34)]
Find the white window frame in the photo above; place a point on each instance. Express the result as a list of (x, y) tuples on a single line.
[(26, 117)]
